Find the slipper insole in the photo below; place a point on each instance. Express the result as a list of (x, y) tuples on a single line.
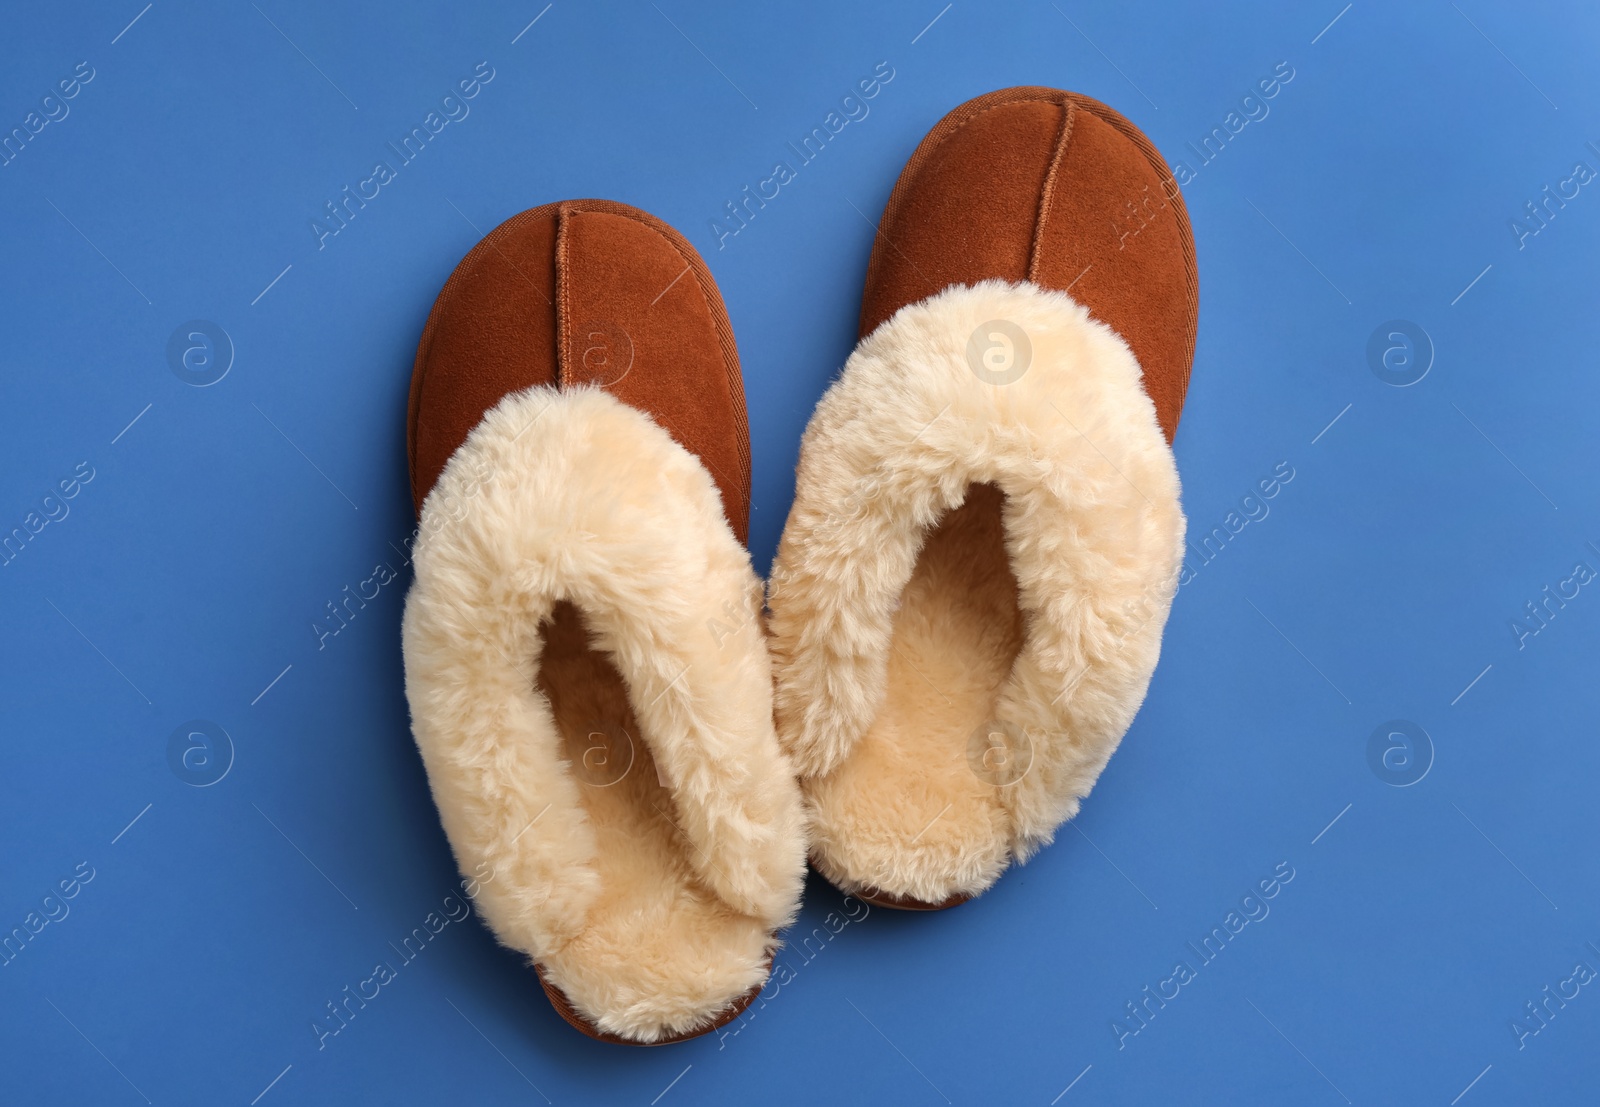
[(911, 792), (654, 920)]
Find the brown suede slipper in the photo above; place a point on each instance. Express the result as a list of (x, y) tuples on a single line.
[(968, 599), (585, 663)]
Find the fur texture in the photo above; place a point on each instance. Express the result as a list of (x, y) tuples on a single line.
[(967, 559), (591, 694)]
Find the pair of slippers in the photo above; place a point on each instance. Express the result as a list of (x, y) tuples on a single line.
[(631, 758)]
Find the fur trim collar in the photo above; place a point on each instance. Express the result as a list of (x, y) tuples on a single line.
[(1092, 528), (572, 497)]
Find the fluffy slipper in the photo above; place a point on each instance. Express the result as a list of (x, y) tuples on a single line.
[(968, 599), (588, 679)]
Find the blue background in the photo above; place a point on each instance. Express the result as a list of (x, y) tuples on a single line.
[(221, 520)]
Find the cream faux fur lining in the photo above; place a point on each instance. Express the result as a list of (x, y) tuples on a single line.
[(869, 635), (649, 900)]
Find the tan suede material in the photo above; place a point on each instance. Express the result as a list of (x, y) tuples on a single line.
[(964, 208), (584, 292), (1053, 187), (1116, 225), (640, 315), (491, 331)]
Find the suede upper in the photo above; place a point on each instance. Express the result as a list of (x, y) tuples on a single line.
[(1055, 188), (584, 292)]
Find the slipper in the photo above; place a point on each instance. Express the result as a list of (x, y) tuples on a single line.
[(968, 598), (585, 662)]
